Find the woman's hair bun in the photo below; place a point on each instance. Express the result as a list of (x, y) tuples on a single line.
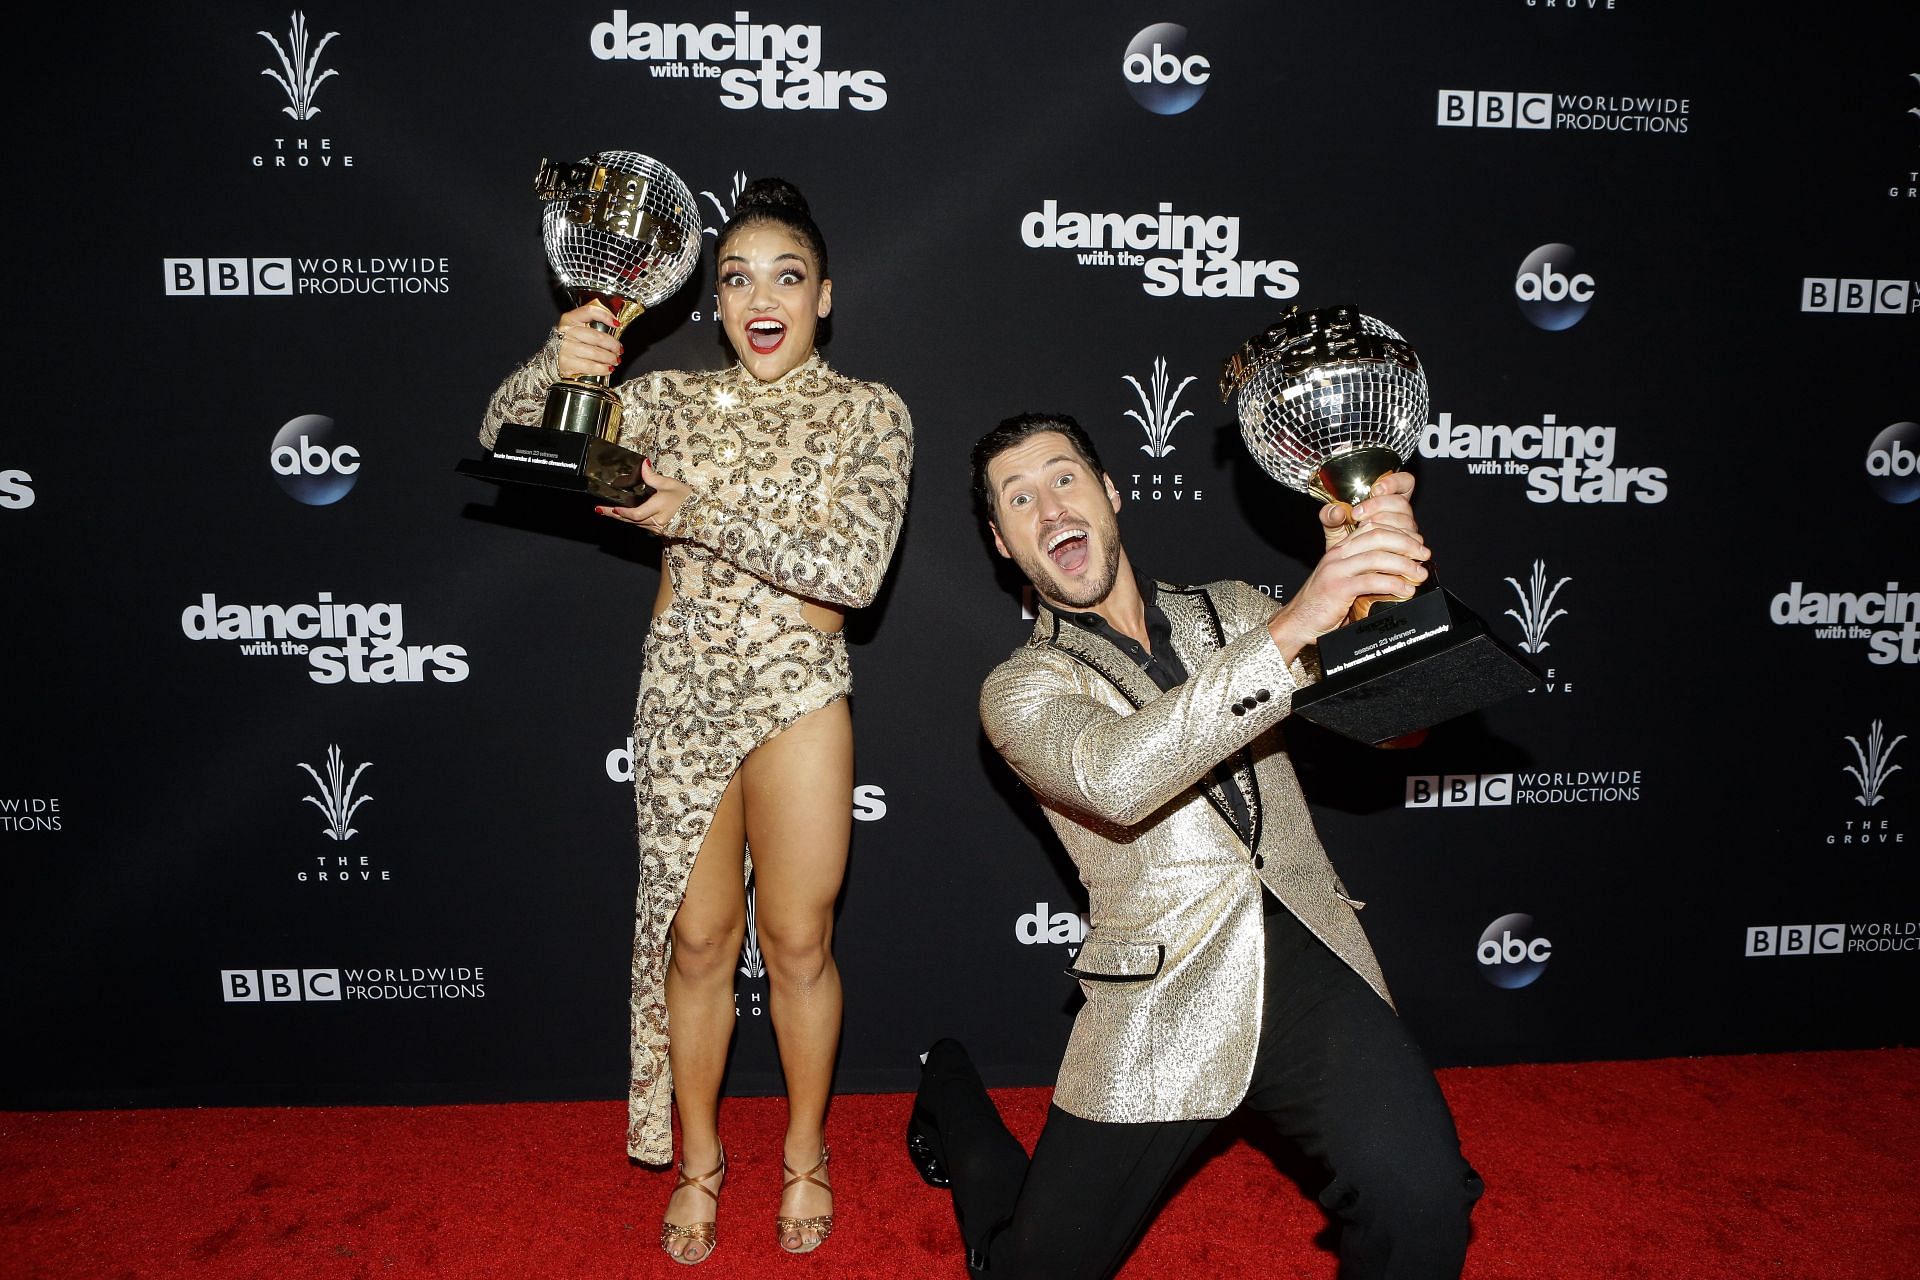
[(772, 193), (777, 201)]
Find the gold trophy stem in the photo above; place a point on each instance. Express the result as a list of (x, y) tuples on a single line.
[(582, 403), (625, 312), (1349, 478)]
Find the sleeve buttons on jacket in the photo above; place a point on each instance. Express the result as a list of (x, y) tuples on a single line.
[(1239, 708), (1263, 695)]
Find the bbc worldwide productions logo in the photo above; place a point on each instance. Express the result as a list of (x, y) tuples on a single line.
[(1796, 939), (1502, 790), (1568, 112), (384, 277), (29, 814), (326, 986), (1834, 295), (1872, 937)]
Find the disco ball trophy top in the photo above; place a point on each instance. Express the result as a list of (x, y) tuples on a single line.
[(621, 229), (1329, 401)]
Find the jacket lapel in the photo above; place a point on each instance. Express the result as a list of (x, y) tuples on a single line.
[(1197, 635), (1108, 662)]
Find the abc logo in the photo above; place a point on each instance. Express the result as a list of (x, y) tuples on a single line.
[(1893, 463), (1552, 294), (1510, 954), (1161, 75), (309, 465)]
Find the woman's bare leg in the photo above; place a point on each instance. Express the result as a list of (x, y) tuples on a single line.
[(799, 815), (707, 932)]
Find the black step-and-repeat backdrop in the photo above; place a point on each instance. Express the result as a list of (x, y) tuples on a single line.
[(315, 783)]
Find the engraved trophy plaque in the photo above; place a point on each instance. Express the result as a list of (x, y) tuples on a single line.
[(621, 228), (1329, 401)]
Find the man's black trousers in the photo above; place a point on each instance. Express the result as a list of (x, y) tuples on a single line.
[(1336, 1072)]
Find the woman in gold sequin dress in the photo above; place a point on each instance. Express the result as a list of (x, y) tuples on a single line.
[(781, 487)]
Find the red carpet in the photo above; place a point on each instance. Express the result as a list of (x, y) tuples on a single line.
[(1788, 1165)]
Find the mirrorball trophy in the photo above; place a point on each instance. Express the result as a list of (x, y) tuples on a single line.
[(1329, 401), (621, 228)]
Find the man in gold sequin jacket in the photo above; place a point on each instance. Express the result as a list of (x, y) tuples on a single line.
[(1225, 964)]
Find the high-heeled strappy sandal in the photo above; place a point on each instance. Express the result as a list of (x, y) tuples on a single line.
[(822, 1224), (702, 1233)]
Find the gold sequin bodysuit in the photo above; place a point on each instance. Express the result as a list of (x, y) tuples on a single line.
[(799, 489)]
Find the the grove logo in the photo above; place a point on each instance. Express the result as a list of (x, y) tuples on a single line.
[(722, 214), (1537, 603), (336, 799), (1159, 421), (1875, 767), (1511, 953), (309, 465), (752, 963), (1552, 295), (1893, 462), (300, 76), (723, 209), (1161, 75), (299, 83)]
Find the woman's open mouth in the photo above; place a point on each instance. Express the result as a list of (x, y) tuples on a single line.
[(765, 336)]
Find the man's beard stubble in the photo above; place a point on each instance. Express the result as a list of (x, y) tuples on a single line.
[(1092, 591)]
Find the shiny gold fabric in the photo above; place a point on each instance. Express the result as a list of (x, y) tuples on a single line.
[(799, 490), (1172, 966)]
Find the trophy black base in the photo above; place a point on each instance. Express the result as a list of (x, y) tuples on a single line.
[(1409, 665), (566, 460)]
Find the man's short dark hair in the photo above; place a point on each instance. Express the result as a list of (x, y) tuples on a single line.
[(1011, 432)]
